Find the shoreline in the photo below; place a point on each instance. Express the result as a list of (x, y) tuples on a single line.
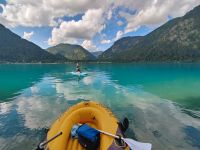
[(89, 62)]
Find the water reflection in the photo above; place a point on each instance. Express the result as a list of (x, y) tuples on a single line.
[(152, 119), (16, 77), (178, 81)]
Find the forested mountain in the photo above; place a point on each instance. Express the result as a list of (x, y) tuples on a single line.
[(176, 40), (72, 52), (15, 49)]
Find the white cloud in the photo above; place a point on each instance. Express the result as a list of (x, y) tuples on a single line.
[(119, 23), (37, 13), (154, 12), (45, 12), (109, 14), (91, 23), (89, 45), (48, 12), (27, 14), (28, 35), (106, 41), (118, 35)]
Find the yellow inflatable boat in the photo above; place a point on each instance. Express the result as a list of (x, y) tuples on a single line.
[(92, 113)]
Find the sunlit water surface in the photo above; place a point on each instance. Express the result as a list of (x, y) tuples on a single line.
[(162, 101)]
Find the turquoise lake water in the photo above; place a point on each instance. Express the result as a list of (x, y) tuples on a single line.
[(162, 101)]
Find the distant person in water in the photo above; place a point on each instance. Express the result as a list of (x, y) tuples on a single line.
[(78, 67)]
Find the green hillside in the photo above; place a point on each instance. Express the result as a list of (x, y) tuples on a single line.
[(177, 40), (72, 52), (15, 49)]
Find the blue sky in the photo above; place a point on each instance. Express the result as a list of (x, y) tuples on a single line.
[(87, 23), (42, 34)]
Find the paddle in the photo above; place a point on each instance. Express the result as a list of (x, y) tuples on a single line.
[(41, 145), (134, 145)]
